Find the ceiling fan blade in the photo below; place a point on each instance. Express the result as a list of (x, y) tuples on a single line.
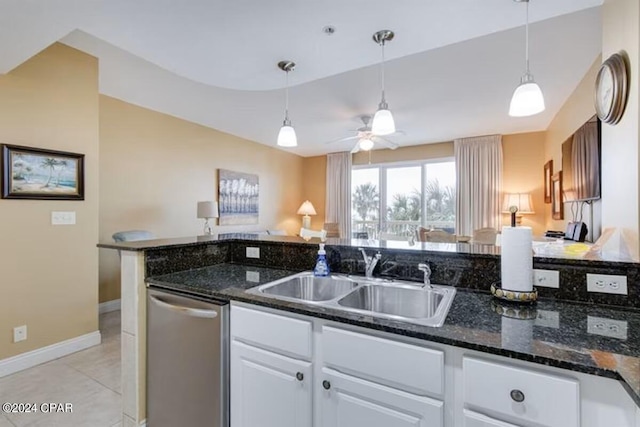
[(356, 148), (348, 138), (387, 143)]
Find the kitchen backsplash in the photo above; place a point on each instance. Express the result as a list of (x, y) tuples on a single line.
[(475, 271)]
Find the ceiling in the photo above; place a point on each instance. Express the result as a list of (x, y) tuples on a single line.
[(451, 68)]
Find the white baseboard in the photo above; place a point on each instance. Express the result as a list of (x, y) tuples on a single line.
[(109, 306), (128, 421), (32, 358)]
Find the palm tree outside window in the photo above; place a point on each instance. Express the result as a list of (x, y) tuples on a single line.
[(398, 198)]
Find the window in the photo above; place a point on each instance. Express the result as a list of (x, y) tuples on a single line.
[(397, 198)]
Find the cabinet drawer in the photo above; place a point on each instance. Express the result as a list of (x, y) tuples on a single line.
[(278, 333), (473, 419), (407, 367), (495, 389), (351, 401)]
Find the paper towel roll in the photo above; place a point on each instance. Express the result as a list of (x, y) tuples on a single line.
[(517, 259)]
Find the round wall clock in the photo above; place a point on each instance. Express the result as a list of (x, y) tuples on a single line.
[(612, 87)]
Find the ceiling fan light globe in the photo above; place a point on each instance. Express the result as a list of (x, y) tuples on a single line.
[(527, 100), (366, 144), (383, 123), (287, 137)]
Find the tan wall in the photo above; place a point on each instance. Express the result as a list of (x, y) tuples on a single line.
[(574, 113), (48, 278), (620, 153), (523, 163), (314, 186), (154, 168), (404, 154)]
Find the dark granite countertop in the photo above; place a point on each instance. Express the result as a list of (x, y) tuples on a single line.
[(214, 281), (556, 336), (477, 250)]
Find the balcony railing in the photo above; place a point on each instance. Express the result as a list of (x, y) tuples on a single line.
[(373, 228)]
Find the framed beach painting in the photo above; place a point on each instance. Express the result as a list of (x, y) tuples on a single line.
[(238, 197), (39, 174)]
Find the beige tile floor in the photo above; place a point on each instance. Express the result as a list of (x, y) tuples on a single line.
[(88, 379)]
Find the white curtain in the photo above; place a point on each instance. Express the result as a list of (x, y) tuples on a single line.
[(338, 201), (478, 183)]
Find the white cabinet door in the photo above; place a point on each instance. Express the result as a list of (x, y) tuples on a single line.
[(473, 419), (268, 389), (350, 401)]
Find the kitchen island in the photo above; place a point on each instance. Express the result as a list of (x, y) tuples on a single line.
[(210, 267)]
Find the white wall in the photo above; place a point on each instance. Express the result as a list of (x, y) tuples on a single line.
[(620, 161)]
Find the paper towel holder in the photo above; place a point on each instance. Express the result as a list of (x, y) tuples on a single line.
[(517, 297)]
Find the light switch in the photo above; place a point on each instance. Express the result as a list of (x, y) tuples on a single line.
[(63, 218)]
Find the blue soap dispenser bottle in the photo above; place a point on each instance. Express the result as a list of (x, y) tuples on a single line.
[(322, 268)]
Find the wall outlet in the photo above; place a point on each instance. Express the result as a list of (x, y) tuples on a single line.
[(607, 284), (253, 276), (20, 333), (546, 278), (607, 327), (63, 218), (253, 252)]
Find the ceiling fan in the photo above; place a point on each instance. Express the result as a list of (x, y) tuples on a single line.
[(366, 139)]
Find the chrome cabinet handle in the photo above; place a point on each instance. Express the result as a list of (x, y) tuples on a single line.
[(326, 384), (194, 312), (299, 376), (517, 396)]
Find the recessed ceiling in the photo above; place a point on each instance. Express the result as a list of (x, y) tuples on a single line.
[(451, 71)]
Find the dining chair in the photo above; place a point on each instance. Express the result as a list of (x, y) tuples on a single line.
[(486, 236), (439, 236), (333, 229)]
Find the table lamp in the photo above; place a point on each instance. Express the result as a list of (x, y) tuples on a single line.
[(207, 210), (306, 209), (522, 201)]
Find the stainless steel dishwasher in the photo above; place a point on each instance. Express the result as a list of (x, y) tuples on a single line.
[(187, 361)]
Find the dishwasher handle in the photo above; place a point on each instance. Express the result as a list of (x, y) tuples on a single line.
[(193, 312)]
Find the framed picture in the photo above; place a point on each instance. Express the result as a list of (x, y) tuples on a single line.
[(238, 197), (35, 173), (548, 173), (557, 206)]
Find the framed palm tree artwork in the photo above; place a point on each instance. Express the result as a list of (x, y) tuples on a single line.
[(36, 173), (238, 197)]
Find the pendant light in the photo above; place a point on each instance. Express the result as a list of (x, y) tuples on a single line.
[(287, 135), (527, 99), (383, 123)]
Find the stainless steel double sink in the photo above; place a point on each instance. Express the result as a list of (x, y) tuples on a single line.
[(394, 299)]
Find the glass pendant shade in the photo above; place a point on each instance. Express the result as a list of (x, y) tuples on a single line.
[(527, 99), (287, 136), (366, 144), (383, 123)]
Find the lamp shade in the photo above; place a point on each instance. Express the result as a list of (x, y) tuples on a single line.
[(307, 209), (521, 200), (207, 209), (287, 136), (527, 100), (383, 123)]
